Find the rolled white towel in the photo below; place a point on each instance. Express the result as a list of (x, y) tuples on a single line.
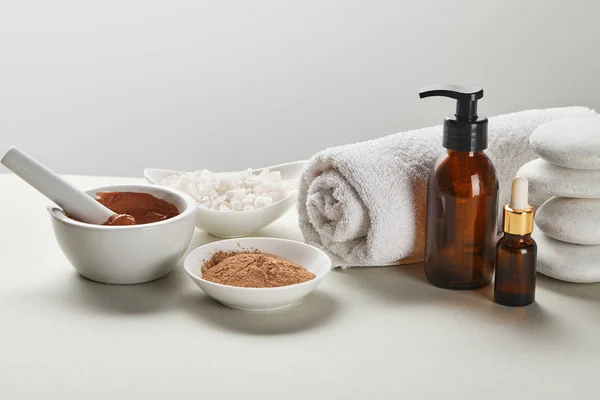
[(364, 203)]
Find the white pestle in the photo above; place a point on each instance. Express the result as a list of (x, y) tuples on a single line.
[(72, 200)]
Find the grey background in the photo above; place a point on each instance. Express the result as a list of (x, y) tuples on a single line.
[(111, 87)]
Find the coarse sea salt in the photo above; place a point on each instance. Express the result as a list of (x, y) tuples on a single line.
[(232, 191)]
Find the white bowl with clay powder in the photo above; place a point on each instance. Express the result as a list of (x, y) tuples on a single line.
[(259, 299), (230, 223)]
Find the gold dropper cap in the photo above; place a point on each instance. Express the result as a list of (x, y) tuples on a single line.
[(518, 215)]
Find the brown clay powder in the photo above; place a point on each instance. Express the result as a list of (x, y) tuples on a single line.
[(253, 269)]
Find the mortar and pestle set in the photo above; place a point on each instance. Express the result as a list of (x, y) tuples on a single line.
[(111, 248)]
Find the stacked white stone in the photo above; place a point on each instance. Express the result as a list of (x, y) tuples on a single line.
[(568, 172)]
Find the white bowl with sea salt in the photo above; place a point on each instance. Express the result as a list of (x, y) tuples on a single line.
[(218, 213)]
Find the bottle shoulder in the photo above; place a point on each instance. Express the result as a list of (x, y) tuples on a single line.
[(468, 173), (525, 242), (479, 162)]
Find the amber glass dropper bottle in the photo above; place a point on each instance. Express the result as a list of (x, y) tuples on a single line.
[(516, 251)]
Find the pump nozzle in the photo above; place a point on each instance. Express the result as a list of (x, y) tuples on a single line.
[(465, 130), (466, 96)]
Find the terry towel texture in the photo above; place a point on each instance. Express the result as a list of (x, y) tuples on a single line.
[(364, 203)]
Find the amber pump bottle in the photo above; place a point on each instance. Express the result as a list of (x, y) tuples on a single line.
[(516, 251), (462, 198)]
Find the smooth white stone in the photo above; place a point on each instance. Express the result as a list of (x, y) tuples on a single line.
[(567, 262), (569, 142), (550, 179), (570, 220)]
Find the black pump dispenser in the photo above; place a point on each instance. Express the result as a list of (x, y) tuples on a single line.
[(465, 131)]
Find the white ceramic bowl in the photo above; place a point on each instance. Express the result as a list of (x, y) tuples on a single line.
[(127, 254), (260, 299), (232, 224)]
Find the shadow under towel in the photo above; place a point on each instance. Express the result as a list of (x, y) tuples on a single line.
[(365, 203)]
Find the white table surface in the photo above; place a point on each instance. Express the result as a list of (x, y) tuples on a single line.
[(366, 333)]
